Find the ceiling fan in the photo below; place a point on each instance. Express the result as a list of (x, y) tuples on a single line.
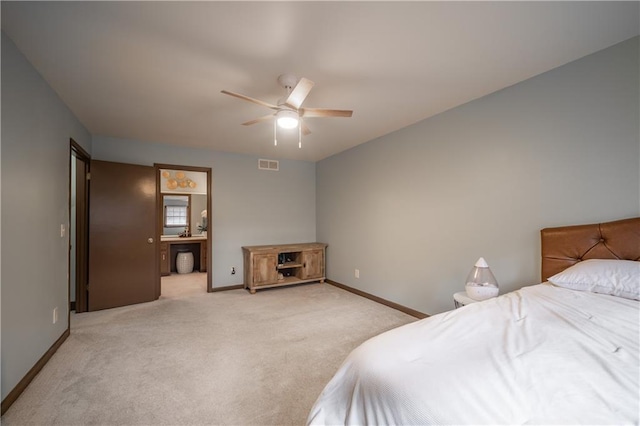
[(288, 111)]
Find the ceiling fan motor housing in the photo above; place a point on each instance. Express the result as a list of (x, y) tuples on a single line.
[(288, 81)]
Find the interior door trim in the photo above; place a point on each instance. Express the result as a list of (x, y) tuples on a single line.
[(82, 233)]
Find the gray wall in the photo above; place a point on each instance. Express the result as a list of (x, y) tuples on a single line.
[(249, 206), (414, 210), (36, 127)]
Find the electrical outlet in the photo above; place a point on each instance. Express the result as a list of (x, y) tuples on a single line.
[(55, 315), (357, 273), (233, 270)]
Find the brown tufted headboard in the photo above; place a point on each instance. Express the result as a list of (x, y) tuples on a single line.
[(568, 245)]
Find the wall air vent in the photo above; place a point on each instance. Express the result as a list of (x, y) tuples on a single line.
[(273, 165)]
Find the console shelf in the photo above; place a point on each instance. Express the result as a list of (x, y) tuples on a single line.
[(288, 265)]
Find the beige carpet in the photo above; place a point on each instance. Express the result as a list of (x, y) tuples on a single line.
[(203, 359), (183, 285)]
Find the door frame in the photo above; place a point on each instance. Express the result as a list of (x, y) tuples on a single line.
[(82, 233), (159, 221)]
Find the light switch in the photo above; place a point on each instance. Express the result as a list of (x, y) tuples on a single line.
[(62, 230)]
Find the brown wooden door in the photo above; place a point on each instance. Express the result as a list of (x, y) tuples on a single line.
[(122, 260)]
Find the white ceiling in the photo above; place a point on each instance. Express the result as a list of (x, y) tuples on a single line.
[(153, 71)]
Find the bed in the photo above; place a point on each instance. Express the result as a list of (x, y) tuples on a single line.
[(563, 353)]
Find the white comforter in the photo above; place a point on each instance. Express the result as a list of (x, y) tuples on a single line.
[(538, 355)]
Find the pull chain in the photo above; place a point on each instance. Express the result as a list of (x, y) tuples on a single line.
[(275, 132), (299, 133)]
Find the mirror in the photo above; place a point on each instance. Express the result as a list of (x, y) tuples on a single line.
[(180, 211), (175, 213)]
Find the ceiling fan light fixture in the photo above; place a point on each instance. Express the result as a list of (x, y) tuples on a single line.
[(287, 119)]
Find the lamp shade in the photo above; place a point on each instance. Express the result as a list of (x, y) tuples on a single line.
[(287, 119), (481, 284)]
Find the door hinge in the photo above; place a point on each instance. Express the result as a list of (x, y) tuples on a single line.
[(88, 176)]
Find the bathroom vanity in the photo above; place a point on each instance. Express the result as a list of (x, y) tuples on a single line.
[(169, 246)]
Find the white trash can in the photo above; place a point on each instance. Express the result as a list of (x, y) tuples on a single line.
[(184, 262)]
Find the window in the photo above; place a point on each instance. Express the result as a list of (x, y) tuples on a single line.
[(175, 216), (176, 210)]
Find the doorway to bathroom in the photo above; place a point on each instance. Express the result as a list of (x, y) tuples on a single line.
[(183, 217)]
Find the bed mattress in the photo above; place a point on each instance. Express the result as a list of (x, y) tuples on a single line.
[(540, 355)]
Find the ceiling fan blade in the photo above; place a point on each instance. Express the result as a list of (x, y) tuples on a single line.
[(250, 99), (322, 112), (305, 130), (258, 120), (299, 93)]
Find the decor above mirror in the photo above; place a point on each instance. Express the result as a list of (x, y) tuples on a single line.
[(179, 179)]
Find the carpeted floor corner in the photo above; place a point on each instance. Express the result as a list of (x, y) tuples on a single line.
[(226, 358)]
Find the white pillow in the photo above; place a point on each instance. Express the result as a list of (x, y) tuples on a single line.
[(615, 277)]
